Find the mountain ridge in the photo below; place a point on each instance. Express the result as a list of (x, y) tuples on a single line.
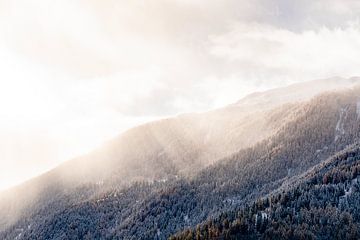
[(310, 122)]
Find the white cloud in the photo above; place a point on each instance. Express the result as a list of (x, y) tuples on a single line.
[(289, 55), (80, 72)]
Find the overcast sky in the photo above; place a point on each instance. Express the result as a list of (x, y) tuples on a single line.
[(75, 73)]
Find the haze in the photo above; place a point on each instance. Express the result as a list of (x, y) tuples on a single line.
[(74, 74)]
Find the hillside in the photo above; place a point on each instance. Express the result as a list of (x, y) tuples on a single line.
[(174, 147), (324, 204), (306, 134)]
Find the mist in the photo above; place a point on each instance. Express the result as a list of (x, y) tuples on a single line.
[(75, 74), (169, 149), (134, 104)]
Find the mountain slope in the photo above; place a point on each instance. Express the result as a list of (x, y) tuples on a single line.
[(323, 205), (311, 132), (180, 146)]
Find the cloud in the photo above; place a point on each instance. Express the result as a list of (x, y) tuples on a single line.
[(82, 71), (288, 55)]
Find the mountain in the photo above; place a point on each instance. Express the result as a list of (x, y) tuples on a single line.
[(297, 92), (159, 178), (321, 204)]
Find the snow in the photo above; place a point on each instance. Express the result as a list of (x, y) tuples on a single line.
[(99, 183), (186, 218), (161, 153), (19, 235), (348, 192), (339, 129), (232, 201), (358, 109), (323, 149), (263, 216)]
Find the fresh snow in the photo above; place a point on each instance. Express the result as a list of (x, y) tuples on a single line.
[(358, 109), (99, 183), (339, 129), (263, 216), (19, 235), (186, 218), (348, 192), (161, 153), (289, 171)]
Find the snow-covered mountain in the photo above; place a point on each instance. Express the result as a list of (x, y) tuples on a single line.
[(211, 156)]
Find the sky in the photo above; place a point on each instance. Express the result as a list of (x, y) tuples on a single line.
[(76, 73)]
